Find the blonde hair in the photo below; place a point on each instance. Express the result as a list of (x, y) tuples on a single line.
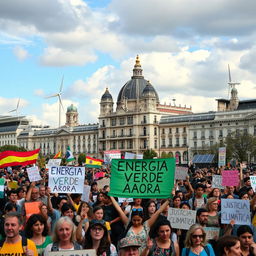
[(192, 229), (55, 237), (210, 201)]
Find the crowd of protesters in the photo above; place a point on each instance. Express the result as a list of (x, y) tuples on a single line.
[(140, 227)]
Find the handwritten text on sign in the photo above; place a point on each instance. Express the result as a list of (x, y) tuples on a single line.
[(33, 174), (235, 209), (142, 178), (181, 173), (66, 179), (91, 252), (217, 181), (181, 218), (253, 182), (230, 178)]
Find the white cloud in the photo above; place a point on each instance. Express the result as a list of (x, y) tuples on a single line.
[(20, 53)]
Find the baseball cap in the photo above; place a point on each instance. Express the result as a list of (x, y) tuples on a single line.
[(129, 242)]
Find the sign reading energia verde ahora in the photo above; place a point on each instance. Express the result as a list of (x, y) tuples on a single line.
[(142, 178)]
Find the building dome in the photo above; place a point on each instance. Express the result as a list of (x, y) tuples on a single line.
[(106, 96), (149, 91), (134, 88), (72, 108)]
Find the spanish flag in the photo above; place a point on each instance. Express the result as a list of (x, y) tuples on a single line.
[(13, 158), (58, 155), (93, 163)]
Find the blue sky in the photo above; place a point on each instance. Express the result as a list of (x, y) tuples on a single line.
[(184, 52)]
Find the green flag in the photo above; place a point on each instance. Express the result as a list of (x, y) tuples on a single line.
[(2, 181), (142, 178), (69, 155)]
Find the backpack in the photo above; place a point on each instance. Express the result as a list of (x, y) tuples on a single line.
[(205, 248), (24, 243), (55, 246)]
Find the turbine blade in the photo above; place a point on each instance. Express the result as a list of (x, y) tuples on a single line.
[(61, 102), (52, 96), (18, 103), (61, 85), (229, 74), (12, 111)]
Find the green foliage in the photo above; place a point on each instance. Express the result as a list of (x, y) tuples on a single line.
[(41, 161), (81, 159), (12, 148), (166, 155), (149, 154)]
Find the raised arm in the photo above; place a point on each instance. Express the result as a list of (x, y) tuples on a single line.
[(122, 215)]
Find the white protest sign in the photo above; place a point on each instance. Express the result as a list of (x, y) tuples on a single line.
[(181, 173), (139, 156), (66, 179), (235, 209), (33, 174), (111, 154), (86, 193), (102, 182), (129, 155), (128, 200), (54, 162), (253, 182), (217, 181), (91, 252), (212, 233), (181, 218)]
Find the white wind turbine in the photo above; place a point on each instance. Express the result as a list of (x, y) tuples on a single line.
[(59, 97), (16, 109)]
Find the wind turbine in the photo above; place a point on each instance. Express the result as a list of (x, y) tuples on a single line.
[(59, 97), (16, 109), (231, 84)]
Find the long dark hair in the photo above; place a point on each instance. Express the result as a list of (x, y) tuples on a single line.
[(31, 221), (146, 214), (104, 242)]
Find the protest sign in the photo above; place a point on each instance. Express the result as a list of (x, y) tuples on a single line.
[(235, 209), (103, 182), (253, 182), (217, 181), (181, 218), (222, 157), (54, 162), (33, 174), (139, 156), (90, 252), (129, 155), (12, 184), (66, 179), (111, 154), (212, 233), (128, 200), (142, 178), (230, 178), (181, 173), (86, 193), (32, 208)]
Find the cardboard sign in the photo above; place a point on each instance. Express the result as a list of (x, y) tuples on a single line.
[(181, 218), (142, 178), (90, 252), (86, 193), (181, 173), (54, 162), (235, 209), (212, 233), (33, 174), (230, 178), (111, 154), (32, 208), (103, 182), (128, 200), (217, 181), (253, 182), (222, 157), (66, 179)]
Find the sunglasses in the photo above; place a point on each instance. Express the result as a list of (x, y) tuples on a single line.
[(137, 209), (197, 236)]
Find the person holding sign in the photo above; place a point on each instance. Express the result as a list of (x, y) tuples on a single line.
[(162, 242), (196, 243), (136, 228)]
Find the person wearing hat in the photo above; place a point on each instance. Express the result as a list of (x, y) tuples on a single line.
[(128, 246), (96, 238)]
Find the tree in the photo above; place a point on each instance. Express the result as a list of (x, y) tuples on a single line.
[(12, 148), (149, 154), (81, 159), (166, 155), (240, 146)]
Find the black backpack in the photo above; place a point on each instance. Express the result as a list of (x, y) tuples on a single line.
[(24, 242)]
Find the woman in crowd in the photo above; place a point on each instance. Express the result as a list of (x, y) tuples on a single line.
[(215, 193), (245, 235), (212, 208), (137, 227), (84, 209), (99, 200), (162, 243), (150, 209), (195, 243), (96, 238), (36, 229), (44, 212), (229, 246), (69, 211), (63, 237)]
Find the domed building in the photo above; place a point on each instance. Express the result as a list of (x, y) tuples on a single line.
[(134, 125), (71, 116)]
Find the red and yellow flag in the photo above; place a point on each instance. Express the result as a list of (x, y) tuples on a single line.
[(93, 163), (13, 158), (58, 155)]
